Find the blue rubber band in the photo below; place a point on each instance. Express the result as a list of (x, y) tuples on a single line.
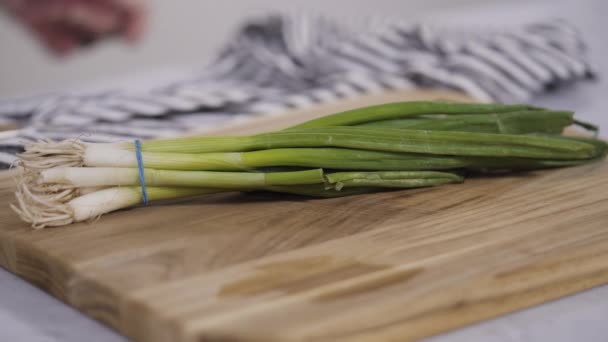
[(140, 167)]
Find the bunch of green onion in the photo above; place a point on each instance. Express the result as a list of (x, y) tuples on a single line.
[(395, 145)]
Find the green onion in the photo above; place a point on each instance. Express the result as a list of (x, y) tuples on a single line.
[(103, 176), (520, 122), (394, 179), (464, 144), (385, 139), (407, 109), (51, 210), (327, 158), (399, 145), (66, 206)]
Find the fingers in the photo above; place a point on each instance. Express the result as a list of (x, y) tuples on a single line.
[(108, 17), (63, 25), (134, 25), (134, 17), (93, 18), (57, 39)]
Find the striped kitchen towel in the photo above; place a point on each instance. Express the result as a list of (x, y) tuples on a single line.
[(280, 62)]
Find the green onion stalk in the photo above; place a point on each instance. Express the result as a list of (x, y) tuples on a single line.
[(61, 196), (395, 145)]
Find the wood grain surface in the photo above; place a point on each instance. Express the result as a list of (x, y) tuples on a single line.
[(394, 266)]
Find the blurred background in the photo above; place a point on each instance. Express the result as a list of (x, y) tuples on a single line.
[(178, 34), (187, 33)]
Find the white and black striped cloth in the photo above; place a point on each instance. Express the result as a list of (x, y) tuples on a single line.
[(281, 62)]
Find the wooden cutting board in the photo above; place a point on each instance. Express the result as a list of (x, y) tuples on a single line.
[(394, 266)]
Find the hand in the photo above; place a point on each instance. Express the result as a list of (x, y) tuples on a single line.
[(64, 25)]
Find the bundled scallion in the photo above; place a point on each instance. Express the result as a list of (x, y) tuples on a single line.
[(396, 145)]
